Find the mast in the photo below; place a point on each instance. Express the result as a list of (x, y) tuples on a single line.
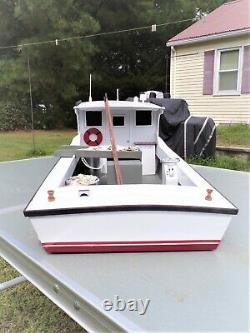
[(90, 88)]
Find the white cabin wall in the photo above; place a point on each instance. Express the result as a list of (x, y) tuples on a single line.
[(128, 135), (145, 134)]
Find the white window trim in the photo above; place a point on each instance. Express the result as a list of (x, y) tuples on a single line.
[(218, 92)]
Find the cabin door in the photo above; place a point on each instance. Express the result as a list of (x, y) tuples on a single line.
[(121, 128)]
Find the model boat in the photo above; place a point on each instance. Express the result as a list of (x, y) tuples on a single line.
[(119, 188)]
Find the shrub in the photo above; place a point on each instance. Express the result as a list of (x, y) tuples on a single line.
[(13, 117)]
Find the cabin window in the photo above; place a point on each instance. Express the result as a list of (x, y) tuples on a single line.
[(228, 71), (143, 118), (93, 118), (118, 120)]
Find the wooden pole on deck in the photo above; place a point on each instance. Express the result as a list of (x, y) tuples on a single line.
[(112, 141)]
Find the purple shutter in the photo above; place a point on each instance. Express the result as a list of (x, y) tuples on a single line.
[(245, 85), (208, 75)]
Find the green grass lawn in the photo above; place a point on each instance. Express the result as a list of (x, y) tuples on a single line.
[(233, 135), (24, 308), (229, 135), (222, 161), (19, 144)]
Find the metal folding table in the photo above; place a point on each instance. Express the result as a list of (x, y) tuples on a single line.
[(188, 291)]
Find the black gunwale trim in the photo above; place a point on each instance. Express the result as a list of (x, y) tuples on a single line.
[(215, 188), (77, 210), (122, 208), (50, 170)]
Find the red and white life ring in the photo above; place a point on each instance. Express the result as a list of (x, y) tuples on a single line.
[(93, 137)]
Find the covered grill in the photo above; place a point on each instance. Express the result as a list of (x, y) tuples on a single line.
[(186, 135)]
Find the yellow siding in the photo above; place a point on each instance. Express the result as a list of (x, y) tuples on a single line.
[(186, 81)]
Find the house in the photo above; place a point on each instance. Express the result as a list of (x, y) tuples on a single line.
[(210, 64)]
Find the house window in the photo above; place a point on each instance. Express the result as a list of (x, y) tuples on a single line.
[(93, 118), (118, 121), (143, 118), (228, 71)]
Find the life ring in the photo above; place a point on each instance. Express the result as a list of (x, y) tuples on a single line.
[(87, 134)]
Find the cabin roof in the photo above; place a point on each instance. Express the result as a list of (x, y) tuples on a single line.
[(97, 105)]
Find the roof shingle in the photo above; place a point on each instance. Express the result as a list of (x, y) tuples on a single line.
[(229, 17)]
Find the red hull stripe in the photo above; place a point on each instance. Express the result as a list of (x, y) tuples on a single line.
[(135, 242), (92, 247)]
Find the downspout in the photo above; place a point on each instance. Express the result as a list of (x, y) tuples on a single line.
[(173, 71)]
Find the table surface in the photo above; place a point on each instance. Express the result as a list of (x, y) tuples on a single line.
[(188, 291)]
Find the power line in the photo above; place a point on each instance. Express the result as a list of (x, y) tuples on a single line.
[(57, 40)]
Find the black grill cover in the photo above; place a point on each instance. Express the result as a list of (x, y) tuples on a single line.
[(200, 136)]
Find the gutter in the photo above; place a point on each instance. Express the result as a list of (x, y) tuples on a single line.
[(206, 38)]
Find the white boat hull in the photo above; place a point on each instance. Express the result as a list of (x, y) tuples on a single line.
[(131, 231), (130, 217)]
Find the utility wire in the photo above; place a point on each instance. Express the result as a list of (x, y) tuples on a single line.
[(56, 41)]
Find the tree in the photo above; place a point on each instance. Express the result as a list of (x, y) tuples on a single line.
[(137, 60), (133, 61), (58, 72)]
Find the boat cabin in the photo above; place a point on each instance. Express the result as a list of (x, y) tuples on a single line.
[(134, 124)]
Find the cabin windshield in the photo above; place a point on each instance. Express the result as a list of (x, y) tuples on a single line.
[(143, 118), (93, 118), (118, 121)]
